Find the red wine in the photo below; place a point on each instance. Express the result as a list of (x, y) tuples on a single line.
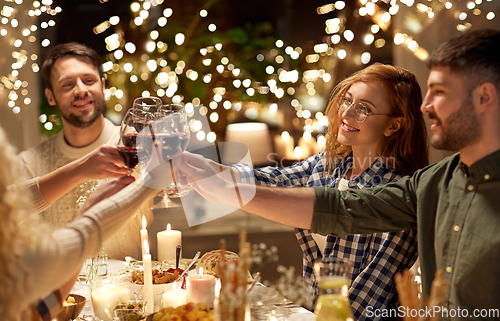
[(144, 141), (130, 140), (172, 144), (129, 156)]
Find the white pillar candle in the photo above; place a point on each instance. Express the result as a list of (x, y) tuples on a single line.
[(148, 279), (283, 145), (305, 146), (107, 296), (144, 232), (175, 297), (167, 242), (201, 288)]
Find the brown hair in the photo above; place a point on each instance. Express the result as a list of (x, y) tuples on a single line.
[(406, 150), (473, 55), (68, 49)]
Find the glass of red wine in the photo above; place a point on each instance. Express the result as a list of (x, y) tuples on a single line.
[(172, 138), (148, 104), (130, 146)]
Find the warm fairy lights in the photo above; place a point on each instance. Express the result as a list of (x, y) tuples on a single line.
[(19, 91), (157, 64)]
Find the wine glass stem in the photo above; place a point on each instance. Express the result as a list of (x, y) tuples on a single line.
[(172, 171)]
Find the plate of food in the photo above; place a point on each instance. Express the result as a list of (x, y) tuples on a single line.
[(164, 274), (189, 311)]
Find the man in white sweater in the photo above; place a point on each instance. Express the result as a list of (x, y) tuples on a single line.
[(64, 169)]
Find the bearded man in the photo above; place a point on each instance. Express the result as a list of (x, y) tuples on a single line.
[(64, 169)]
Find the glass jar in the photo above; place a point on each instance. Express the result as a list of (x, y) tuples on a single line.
[(333, 276)]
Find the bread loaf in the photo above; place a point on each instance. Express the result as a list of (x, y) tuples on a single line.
[(210, 261)]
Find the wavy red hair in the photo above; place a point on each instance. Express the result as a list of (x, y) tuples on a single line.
[(407, 149)]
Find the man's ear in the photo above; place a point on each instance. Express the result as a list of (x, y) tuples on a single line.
[(395, 125), (103, 85), (50, 97), (487, 96)]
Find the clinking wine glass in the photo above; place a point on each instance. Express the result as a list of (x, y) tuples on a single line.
[(148, 104), (177, 188), (172, 135), (129, 148)]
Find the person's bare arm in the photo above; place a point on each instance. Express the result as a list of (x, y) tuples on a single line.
[(263, 201), (104, 162), (289, 206)]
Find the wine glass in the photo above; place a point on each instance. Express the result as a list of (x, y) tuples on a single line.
[(148, 104), (131, 129), (172, 136), (176, 189)]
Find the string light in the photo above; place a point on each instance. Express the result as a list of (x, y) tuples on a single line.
[(18, 36), (164, 69)]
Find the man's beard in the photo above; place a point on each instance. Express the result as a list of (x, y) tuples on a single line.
[(79, 121), (461, 129)]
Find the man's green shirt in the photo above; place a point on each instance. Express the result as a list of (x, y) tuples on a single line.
[(458, 214)]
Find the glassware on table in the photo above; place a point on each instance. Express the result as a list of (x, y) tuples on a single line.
[(128, 311), (157, 297), (132, 149), (97, 265), (172, 135), (82, 287), (106, 293), (333, 276)]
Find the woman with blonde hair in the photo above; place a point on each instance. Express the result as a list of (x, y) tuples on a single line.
[(37, 259), (376, 135)]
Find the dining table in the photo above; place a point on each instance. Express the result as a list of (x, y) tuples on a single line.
[(267, 305)]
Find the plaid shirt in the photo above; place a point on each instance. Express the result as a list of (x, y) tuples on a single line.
[(377, 257), (47, 308)]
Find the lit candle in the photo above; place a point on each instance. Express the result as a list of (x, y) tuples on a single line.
[(218, 286), (144, 232), (167, 242), (148, 279), (283, 145), (201, 288), (107, 296), (305, 146), (174, 298)]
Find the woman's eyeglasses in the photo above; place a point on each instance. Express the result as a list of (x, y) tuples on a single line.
[(361, 112)]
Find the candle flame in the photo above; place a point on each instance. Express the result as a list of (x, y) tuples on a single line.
[(201, 271), (218, 286), (168, 227), (146, 247), (285, 136), (144, 222)]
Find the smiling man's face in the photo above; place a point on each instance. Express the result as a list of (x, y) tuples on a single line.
[(78, 91), (455, 123)]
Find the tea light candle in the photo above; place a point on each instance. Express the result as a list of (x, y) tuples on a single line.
[(167, 242), (174, 298), (144, 232), (107, 296), (201, 288), (148, 279)]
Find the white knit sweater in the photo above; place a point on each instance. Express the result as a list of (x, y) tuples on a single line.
[(54, 153)]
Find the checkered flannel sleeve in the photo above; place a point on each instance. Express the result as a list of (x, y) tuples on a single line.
[(47, 308), (295, 175)]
